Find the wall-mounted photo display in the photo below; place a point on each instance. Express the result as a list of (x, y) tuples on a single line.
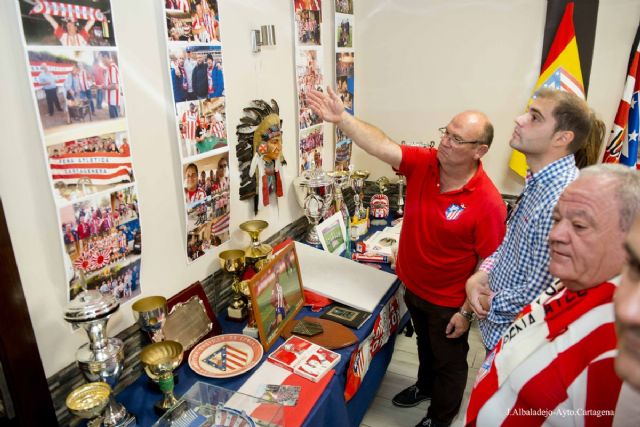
[(345, 79), (277, 295), (73, 66), (70, 23), (75, 88), (311, 143), (100, 233), (196, 72), (202, 126), (344, 30), (84, 166), (344, 6), (192, 20), (344, 146), (206, 192)]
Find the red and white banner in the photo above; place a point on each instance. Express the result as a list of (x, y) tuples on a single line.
[(385, 325), (100, 168), (58, 69), (66, 10)]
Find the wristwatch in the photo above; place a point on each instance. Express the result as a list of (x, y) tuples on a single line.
[(469, 315)]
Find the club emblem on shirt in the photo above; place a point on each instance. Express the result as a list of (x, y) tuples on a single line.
[(453, 212)]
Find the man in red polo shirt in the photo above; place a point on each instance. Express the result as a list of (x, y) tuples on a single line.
[(454, 217)]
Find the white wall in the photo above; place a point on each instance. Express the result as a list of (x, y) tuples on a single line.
[(420, 62), (417, 63)]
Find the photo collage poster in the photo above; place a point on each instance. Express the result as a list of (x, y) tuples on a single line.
[(309, 75), (73, 62), (345, 76), (194, 50)]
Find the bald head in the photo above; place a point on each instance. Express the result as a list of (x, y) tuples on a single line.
[(479, 124)]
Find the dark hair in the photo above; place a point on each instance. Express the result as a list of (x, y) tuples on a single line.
[(572, 113), (487, 134)]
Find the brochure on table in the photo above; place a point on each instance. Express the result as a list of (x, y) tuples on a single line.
[(341, 279)]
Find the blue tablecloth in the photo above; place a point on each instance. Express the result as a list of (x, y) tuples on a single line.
[(331, 409)]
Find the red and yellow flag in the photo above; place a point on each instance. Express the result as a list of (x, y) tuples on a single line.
[(561, 70)]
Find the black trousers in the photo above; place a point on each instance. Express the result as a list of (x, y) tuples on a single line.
[(443, 361), (52, 100)]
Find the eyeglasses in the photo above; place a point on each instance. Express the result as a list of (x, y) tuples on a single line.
[(444, 133)]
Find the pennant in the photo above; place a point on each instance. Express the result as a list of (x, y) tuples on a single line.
[(623, 143), (561, 70)]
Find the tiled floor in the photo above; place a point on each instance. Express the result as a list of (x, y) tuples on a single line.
[(402, 373)]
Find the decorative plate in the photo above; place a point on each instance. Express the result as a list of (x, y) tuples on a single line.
[(225, 356)]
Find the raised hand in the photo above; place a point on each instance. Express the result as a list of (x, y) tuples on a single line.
[(328, 105)]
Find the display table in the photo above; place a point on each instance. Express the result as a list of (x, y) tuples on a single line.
[(330, 409)]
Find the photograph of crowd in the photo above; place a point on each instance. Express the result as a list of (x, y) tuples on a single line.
[(69, 23), (306, 5), (309, 78), (308, 27), (344, 30), (206, 193), (196, 72), (100, 231), (343, 151), (75, 87), (201, 126), (311, 142), (192, 20), (88, 165), (344, 6), (120, 280)]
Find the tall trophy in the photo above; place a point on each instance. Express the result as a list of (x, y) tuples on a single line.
[(360, 219), (252, 328), (340, 182), (319, 195), (88, 402), (379, 204), (233, 262), (151, 313), (160, 359), (400, 197), (257, 250), (102, 358)]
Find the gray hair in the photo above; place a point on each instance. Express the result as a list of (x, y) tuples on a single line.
[(627, 192)]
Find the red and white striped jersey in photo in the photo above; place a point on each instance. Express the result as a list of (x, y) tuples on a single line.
[(190, 122), (218, 130), (83, 78), (113, 78)]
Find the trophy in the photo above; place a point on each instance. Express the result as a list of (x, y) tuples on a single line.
[(102, 358), (251, 329), (88, 401), (233, 262), (151, 313), (319, 194), (400, 198), (159, 360), (340, 181), (256, 250), (379, 204), (357, 183)]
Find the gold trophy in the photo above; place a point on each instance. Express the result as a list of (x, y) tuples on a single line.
[(257, 250), (233, 262), (251, 329), (88, 402), (159, 360), (151, 313), (360, 220), (340, 182)]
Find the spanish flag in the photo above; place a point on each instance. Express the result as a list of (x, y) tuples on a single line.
[(561, 70)]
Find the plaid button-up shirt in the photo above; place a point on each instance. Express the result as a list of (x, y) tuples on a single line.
[(519, 269)]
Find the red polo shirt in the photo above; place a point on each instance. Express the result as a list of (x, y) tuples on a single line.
[(444, 234)]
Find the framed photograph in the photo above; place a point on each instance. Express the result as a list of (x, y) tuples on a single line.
[(332, 233), (276, 295)]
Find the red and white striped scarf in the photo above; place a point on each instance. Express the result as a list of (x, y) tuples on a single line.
[(66, 10)]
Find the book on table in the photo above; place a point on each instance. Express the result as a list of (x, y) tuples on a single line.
[(304, 358)]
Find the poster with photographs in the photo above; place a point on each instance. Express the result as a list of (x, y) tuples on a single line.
[(73, 64), (194, 53), (84, 166), (192, 21), (311, 143), (309, 76), (102, 238), (71, 23), (345, 77), (75, 88), (206, 194)]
